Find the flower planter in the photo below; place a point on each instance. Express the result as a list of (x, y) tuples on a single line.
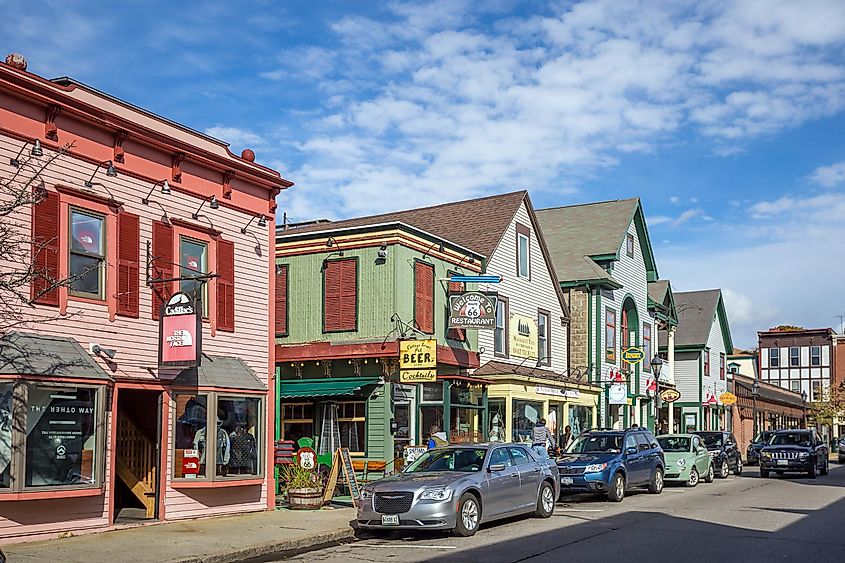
[(305, 499)]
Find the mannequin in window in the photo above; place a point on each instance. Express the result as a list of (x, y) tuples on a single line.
[(244, 455), (223, 447)]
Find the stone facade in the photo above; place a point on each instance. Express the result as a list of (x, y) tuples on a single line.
[(577, 299)]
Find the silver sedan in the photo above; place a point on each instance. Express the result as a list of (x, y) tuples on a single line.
[(460, 487)]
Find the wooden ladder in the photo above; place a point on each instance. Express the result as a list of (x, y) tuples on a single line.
[(136, 463)]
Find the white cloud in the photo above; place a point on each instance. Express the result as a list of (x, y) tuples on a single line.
[(235, 136), (682, 218), (829, 176)]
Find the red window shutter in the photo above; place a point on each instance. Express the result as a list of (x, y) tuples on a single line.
[(45, 250), (281, 300), (128, 264), (458, 334), (162, 264), (340, 299), (424, 297), (226, 285)]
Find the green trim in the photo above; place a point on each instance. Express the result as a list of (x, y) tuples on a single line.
[(589, 324), (417, 261), (645, 242), (616, 341), (700, 386), (357, 293), (287, 298), (723, 324), (608, 283), (605, 257)]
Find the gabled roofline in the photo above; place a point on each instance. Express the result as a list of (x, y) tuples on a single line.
[(723, 323), (541, 239)]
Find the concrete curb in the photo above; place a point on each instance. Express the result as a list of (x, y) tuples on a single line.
[(279, 548)]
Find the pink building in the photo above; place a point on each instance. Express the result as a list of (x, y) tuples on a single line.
[(93, 430)]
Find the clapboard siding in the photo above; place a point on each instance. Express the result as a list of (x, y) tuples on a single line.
[(716, 344), (687, 369)]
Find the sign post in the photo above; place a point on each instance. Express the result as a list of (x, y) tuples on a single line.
[(417, 361)]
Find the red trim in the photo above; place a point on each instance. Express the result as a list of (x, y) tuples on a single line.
[(112, 449), (465, 378), (163, 470), (142, 385), (205, 229), (270, 408), (204, 484), (218, 390), (112, 204), (327, 350), (41, 495), (53, 379)]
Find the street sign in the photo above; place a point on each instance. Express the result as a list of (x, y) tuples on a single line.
[(633, 355), (727, 398), (670, 395), (476, 279)]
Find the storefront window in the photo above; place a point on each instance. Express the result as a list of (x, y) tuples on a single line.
[(461, 394), (297, 421), (6, 402), (190, 431), (350, 420), (430, 417), (463, 424), (432, 391), (496, 409), (193, 257), (238, 424), (525, 417)]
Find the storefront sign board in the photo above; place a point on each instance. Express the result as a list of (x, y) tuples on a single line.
[(417, 354), (412, 453), (472, 309), (670, 395), (557, 392), (633, 355), (417, 375), (617, 394), (523, 336), (180, 332), (727, 398)]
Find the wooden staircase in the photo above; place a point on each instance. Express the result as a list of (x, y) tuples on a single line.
[(136, 462)]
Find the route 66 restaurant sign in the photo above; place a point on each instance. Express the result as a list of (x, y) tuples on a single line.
[(417, 361), (472, 309), (180, 332)]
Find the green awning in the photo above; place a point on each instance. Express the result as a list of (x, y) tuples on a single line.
[(324, 387)]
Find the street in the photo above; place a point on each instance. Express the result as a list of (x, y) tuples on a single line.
[(738, 519)]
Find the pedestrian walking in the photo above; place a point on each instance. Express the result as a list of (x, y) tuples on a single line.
[(566, 438), (542, 439)]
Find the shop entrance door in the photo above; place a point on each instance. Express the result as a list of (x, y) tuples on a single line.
[(137, 455)]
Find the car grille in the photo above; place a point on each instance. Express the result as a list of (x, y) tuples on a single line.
[(393, 503), (784, 455), (566, 470)]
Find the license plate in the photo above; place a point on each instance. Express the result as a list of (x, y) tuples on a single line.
[(389, 519), (783, 462), (566, 480)]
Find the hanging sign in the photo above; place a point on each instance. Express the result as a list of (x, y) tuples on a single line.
[(180, 332), (727, 398), (523, 336), (617, 394), (633, 355), (670, 395), (472, 309), (417, 361)]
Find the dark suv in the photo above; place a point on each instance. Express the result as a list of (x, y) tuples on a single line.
[(724, 452), (752, 456), (794, 451), (611, 462)]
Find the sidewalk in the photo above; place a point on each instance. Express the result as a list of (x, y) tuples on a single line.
[(207, 540)]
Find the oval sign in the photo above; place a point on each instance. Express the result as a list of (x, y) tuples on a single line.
[(633, 355), (670, 395), (727, 398)]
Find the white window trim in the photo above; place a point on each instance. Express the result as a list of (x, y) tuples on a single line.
[(519, 238)]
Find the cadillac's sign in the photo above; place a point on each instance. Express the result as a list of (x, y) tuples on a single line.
[(180, 332), (472, 309)]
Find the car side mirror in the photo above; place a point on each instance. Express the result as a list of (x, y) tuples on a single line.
[(631, 451), (496, 467)]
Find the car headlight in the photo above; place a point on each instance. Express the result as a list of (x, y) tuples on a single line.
[(366, 494), (595, 468), (681, 462), (714, 453), (440, 494), (804, 455), (766, 455)]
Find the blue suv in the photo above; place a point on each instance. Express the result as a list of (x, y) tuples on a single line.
[(611, 462)]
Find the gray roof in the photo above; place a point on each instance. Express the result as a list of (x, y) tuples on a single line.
[(657, 290), (23, 353), (577, 231), (696, 310), (220, 371)]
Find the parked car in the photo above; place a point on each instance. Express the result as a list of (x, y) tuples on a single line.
[(795, 451), (687, 460), (841, 450), (460, 487), (724, 452), (611, 462), (752, 456)]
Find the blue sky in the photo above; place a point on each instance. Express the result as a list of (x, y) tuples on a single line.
[(725, 118)]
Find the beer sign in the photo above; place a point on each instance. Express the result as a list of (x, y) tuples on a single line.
[(417, 361)]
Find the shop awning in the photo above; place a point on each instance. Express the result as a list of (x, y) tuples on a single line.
[(324, 387), (23, 353), (220, 371)]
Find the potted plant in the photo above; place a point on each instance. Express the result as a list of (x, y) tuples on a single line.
[(304, 487)]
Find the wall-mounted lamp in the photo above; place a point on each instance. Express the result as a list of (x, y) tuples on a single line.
[(98, 350), (262, 222), (439, 246), (34, 151), (382, 252), (110, 172), (332, 243), (165, 190), (212, 204)]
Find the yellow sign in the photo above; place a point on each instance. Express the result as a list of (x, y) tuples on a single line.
[(633, 355), (727, 398), (522, 340), (417, 354), (417, 375)]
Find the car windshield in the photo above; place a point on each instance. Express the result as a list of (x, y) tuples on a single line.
[(464, 459), (791, 439), (674, 443), (763, 437), (712, 441), (588, 443)]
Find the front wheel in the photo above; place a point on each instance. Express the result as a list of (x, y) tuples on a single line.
[(724, 470), (826, 467), (617, 488), (710, 474), (811, 473), (545, 501), (469, 516), (738, 469), (693, 478), (764, 473), (656, 485)]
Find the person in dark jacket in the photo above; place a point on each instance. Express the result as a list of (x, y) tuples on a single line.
[(541, 439)]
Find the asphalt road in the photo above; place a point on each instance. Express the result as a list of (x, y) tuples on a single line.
[(734, 520)]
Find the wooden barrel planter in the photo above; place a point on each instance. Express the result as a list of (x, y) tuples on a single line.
[(305, 499)]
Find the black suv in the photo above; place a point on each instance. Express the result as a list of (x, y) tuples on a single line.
[(752, 457), (795, 451), (724, 453)]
